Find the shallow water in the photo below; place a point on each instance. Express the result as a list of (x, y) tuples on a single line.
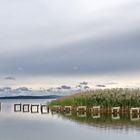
[(37, 126)]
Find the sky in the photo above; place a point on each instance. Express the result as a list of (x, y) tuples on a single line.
[(64, 39)]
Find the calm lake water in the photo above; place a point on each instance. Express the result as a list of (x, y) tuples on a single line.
[(37, 126)]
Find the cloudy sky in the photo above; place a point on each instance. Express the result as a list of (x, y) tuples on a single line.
[(44, 38)]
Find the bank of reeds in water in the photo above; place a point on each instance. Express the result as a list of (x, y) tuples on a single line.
[(104, 98)]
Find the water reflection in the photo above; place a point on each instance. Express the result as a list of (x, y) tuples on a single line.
[(22, 115), (95, 115), (115, 116), (135, 117), (66, 125), (68, 113), (81, 114), (104, 120)]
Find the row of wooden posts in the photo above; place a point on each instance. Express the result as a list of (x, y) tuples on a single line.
[(44, 109), (113, 110), (96, 111), (81, 110), (133, 117), (33, 108)]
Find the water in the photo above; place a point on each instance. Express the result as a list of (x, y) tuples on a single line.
[(37, 126)]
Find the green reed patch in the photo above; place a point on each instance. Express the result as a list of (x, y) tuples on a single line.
[(104, 98)]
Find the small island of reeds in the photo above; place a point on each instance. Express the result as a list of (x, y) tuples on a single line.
[(104, 98)]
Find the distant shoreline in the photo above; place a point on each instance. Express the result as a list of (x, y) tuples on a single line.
[(33, 97)]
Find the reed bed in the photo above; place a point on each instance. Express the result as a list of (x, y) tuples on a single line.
[(104, 98)]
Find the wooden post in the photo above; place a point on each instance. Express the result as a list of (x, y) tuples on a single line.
[(56, 108), (67, 108), (134, 114), (44, 109), (135, 110), (17, 107), (115, 110), (96, 109), (134, 117), (81, 109), (26, 108), (34, 108)]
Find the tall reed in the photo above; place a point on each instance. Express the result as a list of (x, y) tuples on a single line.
[(105, 98)]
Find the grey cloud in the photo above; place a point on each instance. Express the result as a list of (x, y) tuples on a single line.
[(100, 86), (65, 87), (101, 57), (29, 25), (83, 37), (111, 83), (22, 89), (10, 78)]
